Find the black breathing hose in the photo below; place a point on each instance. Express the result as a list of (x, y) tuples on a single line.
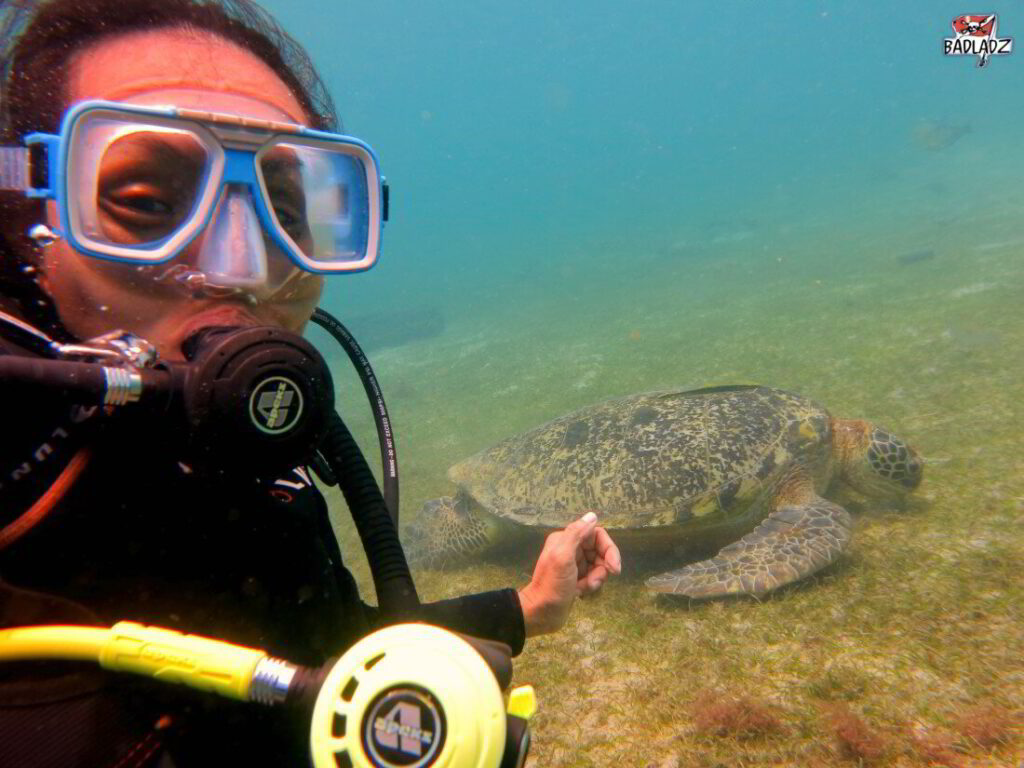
[(396, 593), (388, 457)]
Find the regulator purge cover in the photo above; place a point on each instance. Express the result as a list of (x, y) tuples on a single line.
[(404, 727)]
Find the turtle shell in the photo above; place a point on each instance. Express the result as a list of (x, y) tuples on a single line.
[(654, 459)]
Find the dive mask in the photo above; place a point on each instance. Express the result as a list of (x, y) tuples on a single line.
[(137, 184)]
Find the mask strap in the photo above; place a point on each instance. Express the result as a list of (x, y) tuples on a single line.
[(14, 170)]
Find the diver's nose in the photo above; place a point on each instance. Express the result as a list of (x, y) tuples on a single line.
[(232, 254)]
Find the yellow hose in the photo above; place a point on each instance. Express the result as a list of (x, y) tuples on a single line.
[(198, 662), (53, 642)]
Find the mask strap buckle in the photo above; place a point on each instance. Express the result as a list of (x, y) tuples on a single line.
[(18, 166), (14, 168)]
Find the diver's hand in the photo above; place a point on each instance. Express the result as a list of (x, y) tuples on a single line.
[(574, 562)]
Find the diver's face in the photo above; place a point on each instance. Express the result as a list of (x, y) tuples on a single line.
[(195, 70)]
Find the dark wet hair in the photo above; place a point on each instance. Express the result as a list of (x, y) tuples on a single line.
[(37, 40)]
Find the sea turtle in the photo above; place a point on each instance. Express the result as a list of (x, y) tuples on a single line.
[(742, 465)]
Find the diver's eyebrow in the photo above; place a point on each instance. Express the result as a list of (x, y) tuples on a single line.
[(161, 148)]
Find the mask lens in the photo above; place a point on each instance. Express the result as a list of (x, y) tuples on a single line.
[(319, 200), (136, 185)]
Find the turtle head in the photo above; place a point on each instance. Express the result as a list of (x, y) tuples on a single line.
[(447, 533), (874, 461)]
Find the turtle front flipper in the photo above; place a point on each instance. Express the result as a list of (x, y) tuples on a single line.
[(448, 533), (794, 541)]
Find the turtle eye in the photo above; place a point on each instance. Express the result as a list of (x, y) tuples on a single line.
[(913, 477), (914, 473)]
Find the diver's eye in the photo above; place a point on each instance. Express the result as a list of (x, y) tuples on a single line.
[(139, 210), (147, 184), (143, 203), (286, 217), (289, 204)]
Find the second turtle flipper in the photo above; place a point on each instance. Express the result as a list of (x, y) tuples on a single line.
[(791, 543)]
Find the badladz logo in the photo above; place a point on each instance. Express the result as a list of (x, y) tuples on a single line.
[(976, 36)]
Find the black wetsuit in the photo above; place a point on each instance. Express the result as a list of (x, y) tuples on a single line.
[(139, 537)]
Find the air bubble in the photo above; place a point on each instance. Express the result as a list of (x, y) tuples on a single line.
[(43, 235)]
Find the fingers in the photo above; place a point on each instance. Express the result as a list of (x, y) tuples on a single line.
[(595, 542), (607, 550), (596, 554), (582, 561), (587, 548), (592, 580)]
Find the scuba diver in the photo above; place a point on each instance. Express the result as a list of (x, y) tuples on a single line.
[(176, 188)]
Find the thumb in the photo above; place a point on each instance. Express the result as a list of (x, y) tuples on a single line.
[(580, 529)]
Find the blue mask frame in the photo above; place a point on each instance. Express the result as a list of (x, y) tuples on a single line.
[(237, 144)]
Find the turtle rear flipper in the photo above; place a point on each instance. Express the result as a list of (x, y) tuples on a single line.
[(794, 541)]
